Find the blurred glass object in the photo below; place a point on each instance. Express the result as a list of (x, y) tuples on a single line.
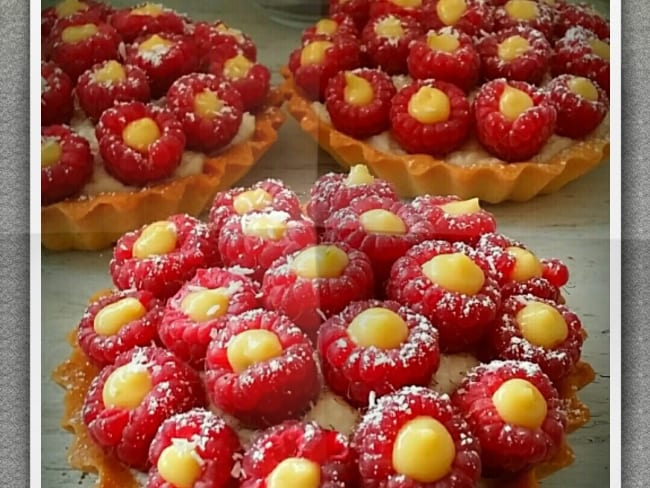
[(294, 13)]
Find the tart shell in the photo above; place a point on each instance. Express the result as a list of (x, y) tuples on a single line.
[(419, 174), (96, 222)]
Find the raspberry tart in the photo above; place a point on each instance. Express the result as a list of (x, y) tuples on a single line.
[(466, 44), (330, 383), (94, 59)]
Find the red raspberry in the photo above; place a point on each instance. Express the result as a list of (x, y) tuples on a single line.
[(128, 431), (67, 167), (555, 271), (355, 371), (309, 301), (311, 76), (581, 53), (450, 225), (250, 79), (327, 448), (383, 8), (530, 65), (56, 95), (77, 54), (214, 443), (256, 239), (102, 347), (460, 67), (186, 331), (266, 392), (165, 58), (460, 318), (133, 22), (337, 25), (505, 446), (215, 129), (476, 20), (577, 116), (383, 247), (96, 95), (436, 138), (513, 140), (88, 11), (164, 273), (136, 165), (219, 39), (334, 191), (375, 438), (542, 20), (357, 9), (508, 341), (360, 120), (265, 195), (387, 49), (580, 15)]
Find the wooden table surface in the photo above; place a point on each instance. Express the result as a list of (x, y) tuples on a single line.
[(572, 225)]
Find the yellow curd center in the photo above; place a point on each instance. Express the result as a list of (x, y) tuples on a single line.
[(455, 272), (252, 347), (110, 319)]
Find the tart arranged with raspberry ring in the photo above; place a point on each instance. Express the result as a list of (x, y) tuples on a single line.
[(162, 256), (56, 95), (129, 400), (117, 323), (386, 40), (260, 369), (201, 307), (539, 331), (66, 163), (452, 285), (376, 347), (515, 412), (526, 13), (415, 437), (191, 449), (249, 78), (301, 454), (147, 18)]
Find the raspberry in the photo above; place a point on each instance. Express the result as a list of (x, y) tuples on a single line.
[(255, 240), (477, 18), (506, 446), (460, 67), (575, 54), (355, 371), (164, 273), (210, 439), (577, 116), (518, 139), (86, 11), (334, 191), (357, 9), (311, 76), (56, 95), (542, 20), (382, 8), (269, 391), (125, 430), (555, 271), (438, 137), (165, 58), (135, 164), (360, 120), (383, 247), (327, 448), (309, 301), (186, 331), (579, 15), (70, 170), (132, 22), (530, 65), (250, 79), (337, 25), (451, 226), (103, 346), (76, 56), (508, 341), (461, 318), (375, 440), (96, 95), (215, 128), (218, 38), (387, 49), (269, 194)]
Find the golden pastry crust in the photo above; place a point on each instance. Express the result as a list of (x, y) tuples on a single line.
[(418, 174), (95, 223)]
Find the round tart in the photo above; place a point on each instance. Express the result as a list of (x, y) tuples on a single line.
[(131, 55)]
